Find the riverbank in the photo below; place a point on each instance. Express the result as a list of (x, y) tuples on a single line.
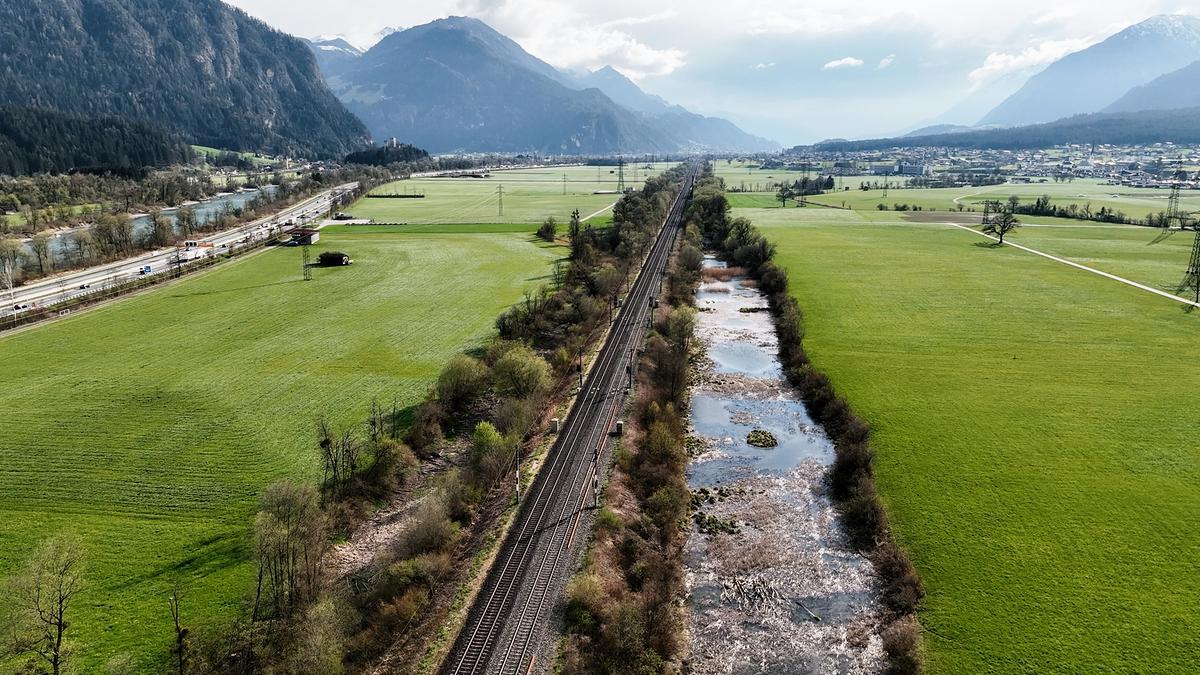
[(773, 581)]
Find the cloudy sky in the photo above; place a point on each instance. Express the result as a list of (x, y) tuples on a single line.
[(792, 70)]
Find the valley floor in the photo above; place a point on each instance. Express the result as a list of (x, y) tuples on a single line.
[(150, 426)]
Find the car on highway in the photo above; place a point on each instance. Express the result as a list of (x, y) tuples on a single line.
[(84, 287), (145, 269)]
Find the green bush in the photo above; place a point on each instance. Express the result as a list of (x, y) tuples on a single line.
[(586, 600), (462, 380), (521, 373), (426, 430), (491, 453), (607, 521), (514, 417), (548, 229)]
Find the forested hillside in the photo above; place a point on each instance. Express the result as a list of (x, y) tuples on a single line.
[(1153, 126), (42, 141), (195, 67)]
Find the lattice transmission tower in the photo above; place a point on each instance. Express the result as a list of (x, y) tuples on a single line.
[(1176, 218), (1191, 280)]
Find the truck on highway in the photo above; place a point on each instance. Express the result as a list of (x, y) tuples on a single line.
[(145, 269)]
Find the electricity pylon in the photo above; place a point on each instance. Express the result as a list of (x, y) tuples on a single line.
[(1175, 217), (1191, 280)]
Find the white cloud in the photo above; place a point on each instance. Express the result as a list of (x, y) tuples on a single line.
[(764, 66), (848, 62), (998, 64), (886, 61), (567, 37)]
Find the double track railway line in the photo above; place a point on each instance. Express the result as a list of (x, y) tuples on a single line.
[(514, 603)]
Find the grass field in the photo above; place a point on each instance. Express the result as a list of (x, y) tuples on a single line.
[(253, 158), (1134, 202), (530, 196), (1036, 448), (151, 425)]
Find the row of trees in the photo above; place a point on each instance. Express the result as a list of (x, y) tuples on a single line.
[(1042, 206), (802, 188)]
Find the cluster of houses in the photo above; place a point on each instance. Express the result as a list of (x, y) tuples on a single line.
[(1154, 166)]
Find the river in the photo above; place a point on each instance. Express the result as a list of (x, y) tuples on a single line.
[(206, 211), (773, 586)]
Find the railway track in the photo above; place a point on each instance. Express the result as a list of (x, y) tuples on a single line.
[(521, 587)]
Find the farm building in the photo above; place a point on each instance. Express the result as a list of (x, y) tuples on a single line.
[(305, 236)]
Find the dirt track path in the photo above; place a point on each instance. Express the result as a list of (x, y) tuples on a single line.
[(1085, 268)]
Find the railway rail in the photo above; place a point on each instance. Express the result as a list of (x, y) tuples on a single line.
[(503, 624)]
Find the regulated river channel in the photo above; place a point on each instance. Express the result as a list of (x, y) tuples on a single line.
[(206, 211), (773, 586)]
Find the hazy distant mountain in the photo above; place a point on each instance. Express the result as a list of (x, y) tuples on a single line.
[(969, 109), (623, 91), (379, 35), (936, 129), (1150, 126), (457, 85), (195, 67), (1092, 79), (695, 131), (1178, 89), (334, 54)]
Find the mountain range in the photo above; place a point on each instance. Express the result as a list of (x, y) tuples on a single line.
[(456, 84), (198, 68), (1107, 75), (1117, 128)]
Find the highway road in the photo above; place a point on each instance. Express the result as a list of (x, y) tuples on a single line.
[(75, 284), (509, 622)]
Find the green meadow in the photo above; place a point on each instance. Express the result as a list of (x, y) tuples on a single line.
[(1134, 202), (150, 426), (528, 196), (1036, 452)]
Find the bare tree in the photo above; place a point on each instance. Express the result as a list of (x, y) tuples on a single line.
[(180, 648), (340, 454), (290, 534), (10, 262), (1001, 224), (40, 244), (41, 596)]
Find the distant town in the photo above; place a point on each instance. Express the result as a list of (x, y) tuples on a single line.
[(1160, 165)]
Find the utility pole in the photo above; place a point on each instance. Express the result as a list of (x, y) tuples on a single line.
[(564, 185), (500, 199), (517, 454)]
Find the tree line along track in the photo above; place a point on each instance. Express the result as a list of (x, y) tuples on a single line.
[(511, 607)]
